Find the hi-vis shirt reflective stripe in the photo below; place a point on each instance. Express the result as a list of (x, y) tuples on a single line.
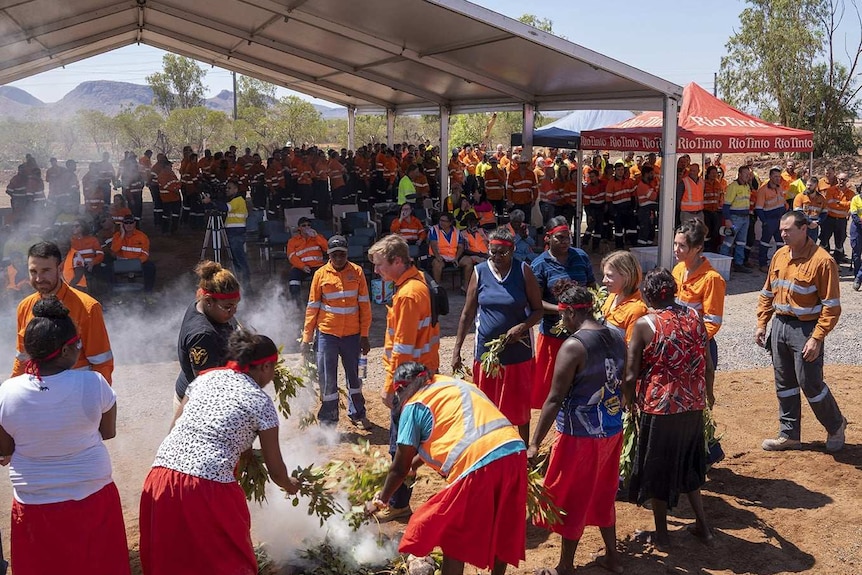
[(467, 426), (237, 213), (805, 287)]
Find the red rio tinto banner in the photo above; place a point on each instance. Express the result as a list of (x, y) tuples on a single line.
[(706, 124)]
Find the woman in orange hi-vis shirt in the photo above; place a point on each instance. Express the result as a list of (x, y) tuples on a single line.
[(699, 286), (624, 306)]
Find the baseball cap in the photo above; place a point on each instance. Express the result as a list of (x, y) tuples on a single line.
[(337, 243)]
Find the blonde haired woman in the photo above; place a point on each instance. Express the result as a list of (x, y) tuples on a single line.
[(622, 276)]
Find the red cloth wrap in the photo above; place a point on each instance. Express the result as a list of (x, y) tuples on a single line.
[(85, 537), (193, 525), (561, 228), (582, 479), (477, 519), (510, 392), (547, 348)]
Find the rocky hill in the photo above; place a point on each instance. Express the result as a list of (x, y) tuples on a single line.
[(109, 98)]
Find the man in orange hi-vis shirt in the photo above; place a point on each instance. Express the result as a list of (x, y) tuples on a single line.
[(45, 268)]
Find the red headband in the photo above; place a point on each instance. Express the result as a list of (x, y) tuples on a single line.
[(502, 243), (560, 228), (32, 365), (244, 368), (402, 383), (561, 306), (214, 295)]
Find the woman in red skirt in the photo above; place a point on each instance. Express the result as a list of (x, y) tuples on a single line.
[(584, 400), (66, 514), (560, 261), (194, 517), (504, 299)]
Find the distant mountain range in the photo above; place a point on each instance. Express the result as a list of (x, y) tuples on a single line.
[(109, 98)]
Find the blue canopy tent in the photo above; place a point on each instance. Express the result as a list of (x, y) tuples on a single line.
[(565, 132)]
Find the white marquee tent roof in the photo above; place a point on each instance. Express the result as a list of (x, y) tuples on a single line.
[(411, 56)]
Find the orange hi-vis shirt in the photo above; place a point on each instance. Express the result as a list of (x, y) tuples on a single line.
[(423, 188), (135, 246), (467, 426), (769, 199), (495, 184), (623, 316), (456, 171), (303, 171), (521, 186), (620, 192), (255, 175), (713, 195), (307, 251), (86, 312), (338, 303), (568, 193), (805, 287), (692, 197), (469, 161), (702, 291), (336, 174), (410, 336), (390, 169), (411, 230), (274, 176), (787, 179), (838, 202), (813, 205), (85, 250), (169, 185), (646, 195), (594, 194)]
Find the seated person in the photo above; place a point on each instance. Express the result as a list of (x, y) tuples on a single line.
[(119, 210), (446, 248), (17, 278), (409, 227), (131, 243), (306, 251), (484, 210), (475, 248), (85, 257), (464, 209)]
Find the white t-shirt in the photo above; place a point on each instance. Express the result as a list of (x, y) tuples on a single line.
[(223, 415), (59, 454)]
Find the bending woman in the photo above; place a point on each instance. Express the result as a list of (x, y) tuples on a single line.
[(194, 517), (66, 512)]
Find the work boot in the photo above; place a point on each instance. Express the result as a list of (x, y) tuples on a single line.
[(740, 268), (835, 441), (857, 285), (391, 513), (782, 443)]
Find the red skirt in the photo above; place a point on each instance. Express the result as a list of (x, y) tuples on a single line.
[(547, 348), (510, 392), (582, 479), (191, 526), (477, 519), (85, 537)]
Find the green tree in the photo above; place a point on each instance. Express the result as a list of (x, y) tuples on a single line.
[(543, 24), (254, 93), (197, 127), (179, 84), (781, 64), (138, 128), (99, 128), (297, 121)]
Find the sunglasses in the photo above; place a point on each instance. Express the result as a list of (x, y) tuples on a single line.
[(226, 307)]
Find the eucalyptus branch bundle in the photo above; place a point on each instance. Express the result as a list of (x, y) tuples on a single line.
[(630, 441), (710, 430), (600, 295), (253, 475), (490, 360), (540, 507), (360, 482), (313, 483), (286, 385)]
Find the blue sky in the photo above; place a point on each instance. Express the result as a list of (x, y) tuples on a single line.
[(679, 41)]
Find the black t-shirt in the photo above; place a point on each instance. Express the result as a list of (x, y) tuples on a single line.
[(201, 345)]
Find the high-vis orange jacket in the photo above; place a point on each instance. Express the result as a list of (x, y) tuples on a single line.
[(692, 197), (307, 251), (838, 202), (86, 312), (135, 246), (411, 230), (467, 426), (338, 303), (624, 316), (521, 186), (495, 184), (805, 287), (169, 185), (704, 292), (409, 333)]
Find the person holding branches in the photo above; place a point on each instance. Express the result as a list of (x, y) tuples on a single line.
[(193, 513)]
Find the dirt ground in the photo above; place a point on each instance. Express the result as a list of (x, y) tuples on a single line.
[(773, 513)]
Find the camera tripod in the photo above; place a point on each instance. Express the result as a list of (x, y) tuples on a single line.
[(215, 238)]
